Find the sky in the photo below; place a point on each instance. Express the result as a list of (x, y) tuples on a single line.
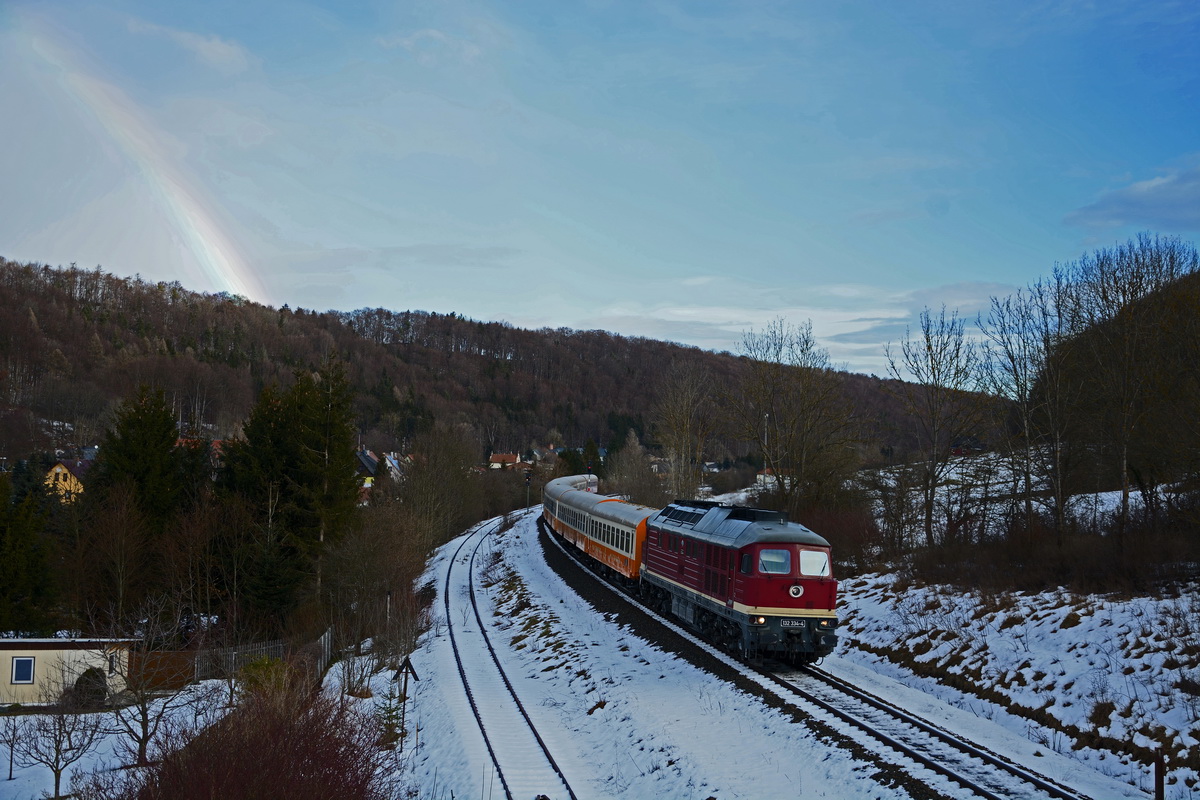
[(687, 171)]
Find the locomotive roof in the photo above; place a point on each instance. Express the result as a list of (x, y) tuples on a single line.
[(732, 526)]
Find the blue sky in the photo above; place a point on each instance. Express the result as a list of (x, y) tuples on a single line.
[(683, 171)]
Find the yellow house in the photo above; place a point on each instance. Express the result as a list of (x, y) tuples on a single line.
[(66, 478), (38, 671)]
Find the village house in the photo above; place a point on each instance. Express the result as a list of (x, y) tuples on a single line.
[(66, 478), (503, 460), (41, 670)]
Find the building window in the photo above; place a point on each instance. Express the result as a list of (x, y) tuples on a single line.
[(112, 664), (22, 669)]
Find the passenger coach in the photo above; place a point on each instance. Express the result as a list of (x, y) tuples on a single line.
[(607, 529)]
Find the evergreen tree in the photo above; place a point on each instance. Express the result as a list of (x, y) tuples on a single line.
[(591, 458), (295, 468), (254, 471), (140, 450), (25, 586), (323, 482)]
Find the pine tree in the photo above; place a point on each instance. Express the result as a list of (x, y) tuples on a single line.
[(25, 585), (323, 482), (295, 467), (139, 450)]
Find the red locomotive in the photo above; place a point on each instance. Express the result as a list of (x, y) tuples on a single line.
[(745, 578)]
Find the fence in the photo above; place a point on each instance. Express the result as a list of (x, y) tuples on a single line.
[(174, 669), (225, 662)]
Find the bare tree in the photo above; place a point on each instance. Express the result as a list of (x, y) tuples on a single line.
[(371, 573), (629, 474), (65, 731), (155, 680), (942, 362), (790, 404), (1055, 398), (1026, 341), (12, 733), (1011, 363), (1112, 286), (120, 555), (685, 418), (189, 557), (439, 490)]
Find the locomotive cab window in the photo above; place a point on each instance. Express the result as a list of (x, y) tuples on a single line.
[(747, 564), (814, 563), (775, 562)]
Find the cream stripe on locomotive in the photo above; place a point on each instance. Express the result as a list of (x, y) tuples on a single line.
[(757, 611)]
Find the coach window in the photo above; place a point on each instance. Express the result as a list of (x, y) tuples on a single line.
[(775, 562), (814, 563), (22, 669)]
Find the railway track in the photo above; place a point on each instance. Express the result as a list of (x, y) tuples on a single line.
[(959, 767), (983, 773), (522, 762)]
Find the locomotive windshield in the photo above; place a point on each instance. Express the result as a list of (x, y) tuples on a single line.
[(814, 563), (775, 562)]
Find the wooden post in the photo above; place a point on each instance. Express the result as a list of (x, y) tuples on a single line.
[(1160, 775)]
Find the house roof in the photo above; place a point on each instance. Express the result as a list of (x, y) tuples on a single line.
[(59, 644), (367, 461), (76, 466)]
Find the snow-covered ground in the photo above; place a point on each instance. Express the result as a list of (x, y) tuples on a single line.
[(207, 704), (1065, 671), (625, 718)]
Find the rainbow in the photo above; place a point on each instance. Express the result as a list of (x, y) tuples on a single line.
[(180, 198)]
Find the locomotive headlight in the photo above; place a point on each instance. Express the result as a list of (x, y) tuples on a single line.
[(796, 591), (825, 623), (758, 620)]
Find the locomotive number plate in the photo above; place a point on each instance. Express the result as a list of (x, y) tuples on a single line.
[(792, 623)]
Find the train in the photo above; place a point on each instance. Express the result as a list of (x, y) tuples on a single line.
[(746, 579)]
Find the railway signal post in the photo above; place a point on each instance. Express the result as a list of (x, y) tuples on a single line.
[(405, 670)]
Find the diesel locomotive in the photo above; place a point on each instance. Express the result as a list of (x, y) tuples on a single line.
[(746, 579)]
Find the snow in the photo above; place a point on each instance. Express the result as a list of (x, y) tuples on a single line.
[(1107, 666), (37, 781)]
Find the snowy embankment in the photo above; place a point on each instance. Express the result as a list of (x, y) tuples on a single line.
[(1079, 675)]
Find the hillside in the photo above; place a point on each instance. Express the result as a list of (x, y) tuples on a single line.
[(75, 342)]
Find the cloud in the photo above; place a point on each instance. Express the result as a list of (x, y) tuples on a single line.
[(1168, 202), (430, 45), (228, 58)]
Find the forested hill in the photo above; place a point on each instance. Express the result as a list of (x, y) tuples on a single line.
[(75, 342)]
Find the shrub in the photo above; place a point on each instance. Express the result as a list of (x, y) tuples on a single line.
[(291, 744)]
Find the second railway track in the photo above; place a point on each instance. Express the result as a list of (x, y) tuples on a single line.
[(523, 763)]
